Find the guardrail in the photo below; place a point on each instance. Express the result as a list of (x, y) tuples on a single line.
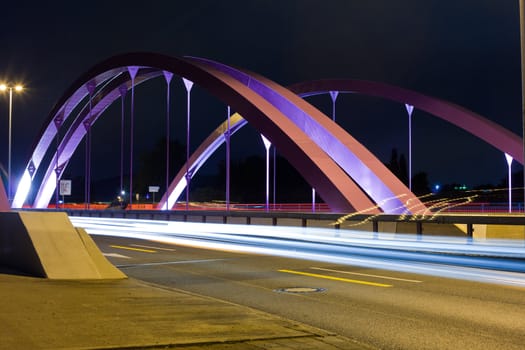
[(432, 224), (319, 207)]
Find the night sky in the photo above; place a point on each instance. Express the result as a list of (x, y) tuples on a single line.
[(463, 51)]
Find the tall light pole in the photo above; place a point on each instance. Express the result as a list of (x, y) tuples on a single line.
[(509, 163), (267, 145), (188, 84), (410, 109), (10, 88), (522, 45)]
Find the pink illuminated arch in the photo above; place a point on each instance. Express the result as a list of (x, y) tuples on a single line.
[(475, 124), (490, 132), (332, 184), (345, 174)]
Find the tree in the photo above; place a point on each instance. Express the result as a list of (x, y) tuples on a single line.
[(403, 172), (393, 165), (420, 184), (398, 166), (152, 165)]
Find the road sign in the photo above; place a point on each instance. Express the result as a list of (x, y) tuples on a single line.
[(65, 187), (154, 189)]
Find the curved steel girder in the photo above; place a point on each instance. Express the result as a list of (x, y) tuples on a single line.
[(334, 85), (337, 189), (439, 108), (103, 98), (198, 158), (390, 194), (490, 132), (58, 115)]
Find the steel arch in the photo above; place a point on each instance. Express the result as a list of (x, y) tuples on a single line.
[(337, 189), (390, 194), (488, 131), (267, 114)]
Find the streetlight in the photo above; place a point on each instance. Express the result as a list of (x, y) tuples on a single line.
[(10, 88), (522, 52), (509, 163), (410, 109), (267, 145)]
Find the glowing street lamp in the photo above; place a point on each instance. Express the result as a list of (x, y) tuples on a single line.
[(522, 52), (267, 145), (10, 88), (509, 163)]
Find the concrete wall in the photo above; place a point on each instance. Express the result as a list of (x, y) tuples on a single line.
[(45, 244), (499, 232)]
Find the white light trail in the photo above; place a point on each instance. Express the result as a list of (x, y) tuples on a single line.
[(450, 257)]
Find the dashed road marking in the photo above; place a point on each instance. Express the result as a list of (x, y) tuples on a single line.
[(340, 279), (150, 247), (366, 275), (134, 249)]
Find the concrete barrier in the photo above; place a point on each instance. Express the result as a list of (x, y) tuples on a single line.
[(499, 232), (47, 245)]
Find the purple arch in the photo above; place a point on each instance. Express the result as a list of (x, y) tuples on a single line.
[(274, 111), (58, 115), (374, 179), (477, 125), (198, 158), (490, 132), (337, 189), (104, 97)]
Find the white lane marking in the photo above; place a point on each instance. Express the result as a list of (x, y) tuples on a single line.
[(151, 247), (115, 255), (367, 275)]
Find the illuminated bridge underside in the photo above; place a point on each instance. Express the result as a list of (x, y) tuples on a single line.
[(313, 143)]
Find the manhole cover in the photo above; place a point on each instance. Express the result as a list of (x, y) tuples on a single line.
[(300, 290)]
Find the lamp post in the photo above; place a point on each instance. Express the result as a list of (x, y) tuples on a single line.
[(522, 51), (267, 145), (10, 88), (509, 163), (410, 109)]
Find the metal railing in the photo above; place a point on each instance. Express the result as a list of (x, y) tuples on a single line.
[(374, 223)]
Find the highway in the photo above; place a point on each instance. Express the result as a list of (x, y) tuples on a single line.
[(396, 293)]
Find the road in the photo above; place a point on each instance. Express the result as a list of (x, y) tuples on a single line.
[(380, 308)]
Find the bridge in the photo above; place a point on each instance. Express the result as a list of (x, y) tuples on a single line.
[(344, 173), (350, 268)]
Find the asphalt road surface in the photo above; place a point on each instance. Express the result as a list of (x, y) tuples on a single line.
[(382, 309)]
